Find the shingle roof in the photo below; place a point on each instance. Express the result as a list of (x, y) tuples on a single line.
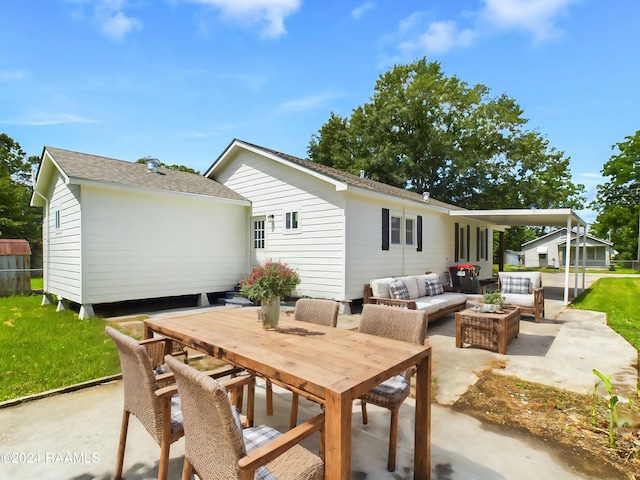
[(82, 166), (354, 180)]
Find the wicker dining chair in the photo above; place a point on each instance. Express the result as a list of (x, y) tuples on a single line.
[(398, 324), (150, 393), (216, 446), (158, 409), (310, 310)]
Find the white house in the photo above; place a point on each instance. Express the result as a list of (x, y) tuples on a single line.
[(549, 250), (339, 230), (116, 230)]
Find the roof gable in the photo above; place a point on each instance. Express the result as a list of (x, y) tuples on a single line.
[(85, 168), (329, 174), (560, 235)]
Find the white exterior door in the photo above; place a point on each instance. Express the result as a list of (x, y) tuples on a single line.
[(258, 240)]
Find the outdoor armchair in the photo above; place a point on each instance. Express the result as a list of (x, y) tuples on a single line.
[(216, 446), (523, 290), (398, 324), (310, 310)]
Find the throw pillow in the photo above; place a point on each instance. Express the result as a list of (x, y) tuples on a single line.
[(434, 287), (517, 285), (399, 290)]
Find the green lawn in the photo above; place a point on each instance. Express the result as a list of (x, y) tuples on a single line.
[(41, 349), (618, 298)]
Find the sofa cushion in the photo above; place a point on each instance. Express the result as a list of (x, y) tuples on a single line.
[(380, 287), (398, 290), (412, 285), (519, 285), (534, 277), (434, 287), (518, 299), (426, 305)]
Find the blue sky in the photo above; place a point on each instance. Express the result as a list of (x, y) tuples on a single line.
[(179, 79)]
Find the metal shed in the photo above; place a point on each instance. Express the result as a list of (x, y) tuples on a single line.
[(15, 262)]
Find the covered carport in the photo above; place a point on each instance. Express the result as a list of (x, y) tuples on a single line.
[(555, 217)]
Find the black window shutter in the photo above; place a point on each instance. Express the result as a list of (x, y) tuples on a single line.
[(457, 242), (486, 244), (385, 229), (419, 233), (478, 242), (468, 242)]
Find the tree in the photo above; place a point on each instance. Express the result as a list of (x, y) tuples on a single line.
[(17, 218), (618, 200), (428, 132)]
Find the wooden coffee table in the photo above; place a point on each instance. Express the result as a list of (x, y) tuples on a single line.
[(492, 331)]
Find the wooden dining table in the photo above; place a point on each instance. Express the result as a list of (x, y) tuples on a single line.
[(333, 365)]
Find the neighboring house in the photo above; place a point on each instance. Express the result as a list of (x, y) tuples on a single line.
[(339, 230), (550, 250), (116, 230)]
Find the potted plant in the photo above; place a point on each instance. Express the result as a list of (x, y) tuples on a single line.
[(267, 284), (492, 301)]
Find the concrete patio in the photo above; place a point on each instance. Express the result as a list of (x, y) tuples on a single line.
[(75, 435)]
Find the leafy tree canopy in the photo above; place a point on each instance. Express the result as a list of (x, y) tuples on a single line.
[(618, 200), (180, 168), (425, 131), (17, 218)]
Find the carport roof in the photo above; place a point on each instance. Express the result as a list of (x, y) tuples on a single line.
[(553, 217)]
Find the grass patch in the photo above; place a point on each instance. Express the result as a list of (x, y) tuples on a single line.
[(618, 298), (37, 283), (43, 349)]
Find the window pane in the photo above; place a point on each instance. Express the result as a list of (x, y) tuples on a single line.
[(395, 230), (409, 231)]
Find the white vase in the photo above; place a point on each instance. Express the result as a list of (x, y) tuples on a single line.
[(270, 313)]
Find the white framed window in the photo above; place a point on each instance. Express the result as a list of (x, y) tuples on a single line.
[(258, 234), (396, 233), (57, 223), (409, 230), (292, 221)]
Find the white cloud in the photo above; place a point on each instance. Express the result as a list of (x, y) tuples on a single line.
[(270, 13), (44, 119), (440, 37), (534, 16), (109, 15), (11, 76), (118, 25), (310, 102), (359, 11), (418, 33)]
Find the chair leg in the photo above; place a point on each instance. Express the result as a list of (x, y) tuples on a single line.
[(365, 418), (393, 440), (251, 395), (293, 416), (187, 470), (269, 394), (122, 445), (165, 443)]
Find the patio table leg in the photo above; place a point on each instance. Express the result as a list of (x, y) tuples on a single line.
[(422, 447), (337, 436)]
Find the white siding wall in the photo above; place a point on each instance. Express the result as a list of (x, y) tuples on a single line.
[(139, 245), (366, 259), (316, 251), (63, 271)]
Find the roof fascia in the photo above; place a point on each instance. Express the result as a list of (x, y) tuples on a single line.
[(239, 145), (47, 163), (172, 193)]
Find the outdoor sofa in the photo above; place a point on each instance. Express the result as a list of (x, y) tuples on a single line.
[(416, 292)]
